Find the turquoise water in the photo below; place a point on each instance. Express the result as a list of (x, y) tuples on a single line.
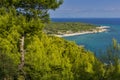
[(96, 42)]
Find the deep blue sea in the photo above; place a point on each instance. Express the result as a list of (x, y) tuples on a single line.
[(95, 42)]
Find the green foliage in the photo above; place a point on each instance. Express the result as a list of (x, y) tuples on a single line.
[(112, 53), (111, 60), (32, 8), (51, 4), (67, 27), (20, 24), (8, 69), (51, 58)]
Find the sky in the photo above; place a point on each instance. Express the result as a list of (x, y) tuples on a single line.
[(88, 9)]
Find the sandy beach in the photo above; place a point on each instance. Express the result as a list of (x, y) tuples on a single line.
[(97, 30)]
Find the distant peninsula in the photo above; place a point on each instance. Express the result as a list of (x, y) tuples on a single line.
[(64, 29)]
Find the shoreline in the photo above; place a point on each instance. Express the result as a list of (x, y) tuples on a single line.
[(94, 31)]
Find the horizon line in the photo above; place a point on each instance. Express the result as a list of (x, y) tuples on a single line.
[(83, 17)]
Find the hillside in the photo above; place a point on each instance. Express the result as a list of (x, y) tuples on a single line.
[(67, 27)]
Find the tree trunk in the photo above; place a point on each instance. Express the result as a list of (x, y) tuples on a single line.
[(22, 52), (5, 79)]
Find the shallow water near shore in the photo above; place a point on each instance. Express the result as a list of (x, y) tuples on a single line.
[(100, 41)]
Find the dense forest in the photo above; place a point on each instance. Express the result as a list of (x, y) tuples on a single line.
[(67, 27), (27, 53)]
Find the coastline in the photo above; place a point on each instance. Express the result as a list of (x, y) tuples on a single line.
[(97, 30)]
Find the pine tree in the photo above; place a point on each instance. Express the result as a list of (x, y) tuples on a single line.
[(22, 16)]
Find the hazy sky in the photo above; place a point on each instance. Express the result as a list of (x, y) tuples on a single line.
[(88, 9)]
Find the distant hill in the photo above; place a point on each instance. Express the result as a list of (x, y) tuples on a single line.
[(67, 27)]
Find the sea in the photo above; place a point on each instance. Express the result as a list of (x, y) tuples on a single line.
[(98, 42)]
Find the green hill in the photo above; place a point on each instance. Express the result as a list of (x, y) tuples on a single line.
[(67, 27)]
